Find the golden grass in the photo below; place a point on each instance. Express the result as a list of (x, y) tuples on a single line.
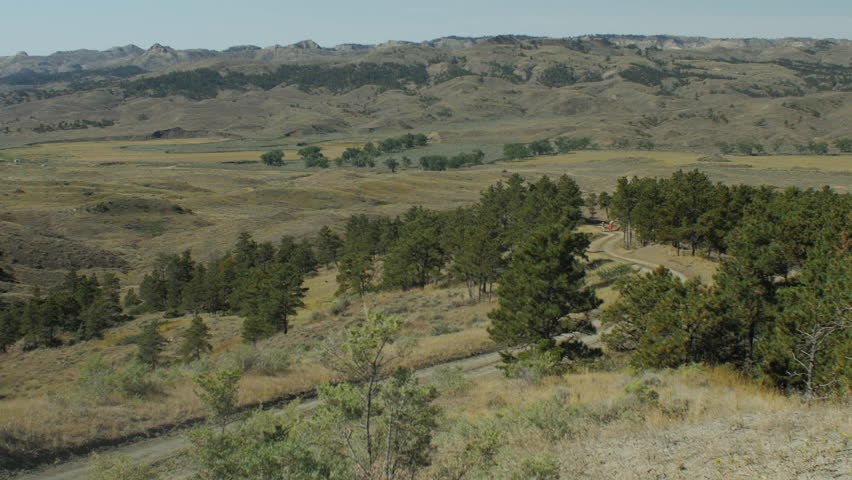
[(708, 422)]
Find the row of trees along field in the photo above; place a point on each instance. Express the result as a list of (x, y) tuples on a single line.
[(354, 156), (516, 151)]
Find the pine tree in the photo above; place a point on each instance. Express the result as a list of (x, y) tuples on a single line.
[(417, 255), (131, 299), (542, 287), (605, 200), (269, 300), (329, 246), (150, 344), (9, 325), (196, 340)]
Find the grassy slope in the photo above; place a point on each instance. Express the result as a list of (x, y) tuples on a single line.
[(41, 409)]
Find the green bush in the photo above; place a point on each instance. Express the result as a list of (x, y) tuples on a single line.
[(119, 467), (246, 358), (451, 380), (99, 381), (538, 467), (613, 273), (534, 364)]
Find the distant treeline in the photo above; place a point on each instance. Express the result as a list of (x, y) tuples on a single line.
[(206, 83), (75, 125), (441, 162), (29, 77), (516, 151)]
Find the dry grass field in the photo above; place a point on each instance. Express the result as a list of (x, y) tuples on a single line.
[(691, 423), (54, 189)]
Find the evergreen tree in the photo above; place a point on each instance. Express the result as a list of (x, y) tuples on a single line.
[(543, 286), (9, 325), (356, 272), (131, 299), (329, 245), (479, 255), (418, 255), (195, 293), (592, 203), (638, 297), (97, 317), (196, 340), (269, 299), (605, 201), (150, 344), (810, 344)]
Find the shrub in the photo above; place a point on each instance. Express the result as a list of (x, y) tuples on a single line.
[(537, 467), (534, 364), (99, 381), (244, 358), (451, 380), (341, 305), (119, 467), (615, 272)]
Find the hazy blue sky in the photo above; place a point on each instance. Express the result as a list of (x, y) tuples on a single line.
[(43, 27)]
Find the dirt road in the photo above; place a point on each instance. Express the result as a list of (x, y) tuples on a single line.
[(605, 245), (162, 448)]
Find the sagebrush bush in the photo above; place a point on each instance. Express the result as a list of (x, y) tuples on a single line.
[(613, 273), (451, 380), (100, 383), (247, 358), (119, 467)]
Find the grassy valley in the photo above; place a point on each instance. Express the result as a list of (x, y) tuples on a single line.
[(506, 257)]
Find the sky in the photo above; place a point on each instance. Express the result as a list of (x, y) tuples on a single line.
[(46, 26)]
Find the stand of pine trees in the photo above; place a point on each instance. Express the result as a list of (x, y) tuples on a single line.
[(780, 304)]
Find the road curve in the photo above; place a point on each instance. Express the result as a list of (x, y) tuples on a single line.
[(164, 447), (604, 246)]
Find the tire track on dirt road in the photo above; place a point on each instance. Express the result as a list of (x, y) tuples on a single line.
[(605, 246)]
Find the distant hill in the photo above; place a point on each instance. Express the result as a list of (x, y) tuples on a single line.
[(673, 92)]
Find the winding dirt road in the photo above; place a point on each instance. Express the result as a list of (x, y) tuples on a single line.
[(162, 448), (605, 246)]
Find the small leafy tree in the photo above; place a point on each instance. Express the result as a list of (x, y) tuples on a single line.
[(273, 158), (383, 429), (391, 163), (196, 340), (541, 147), (218, 390), (515, 151), (844, 145)]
